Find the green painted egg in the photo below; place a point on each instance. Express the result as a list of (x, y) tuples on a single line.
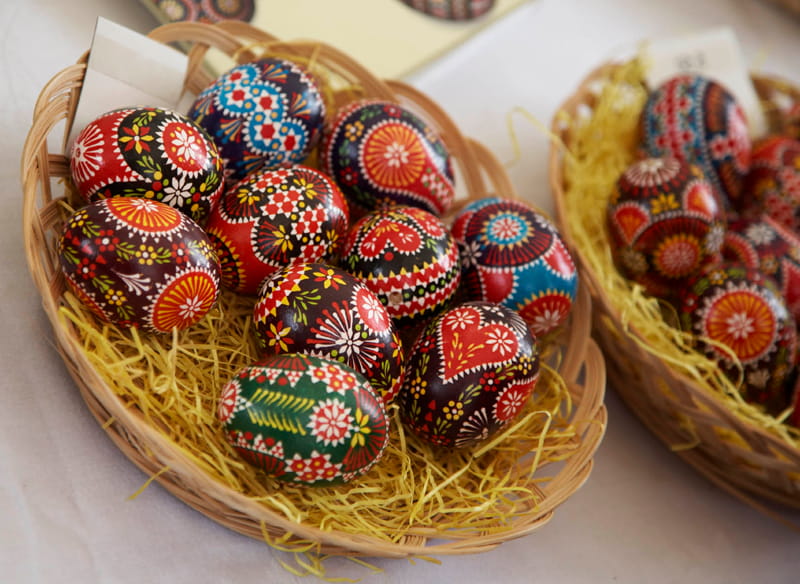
[(304, 419)]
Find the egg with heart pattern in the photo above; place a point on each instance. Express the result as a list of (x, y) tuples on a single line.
[(304, 420), (262, 114), (380, 153), (470, 372)]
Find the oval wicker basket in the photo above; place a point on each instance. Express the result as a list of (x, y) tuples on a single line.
[(150, 447), (737, 448)]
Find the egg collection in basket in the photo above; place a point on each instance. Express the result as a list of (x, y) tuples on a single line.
[(681, 393), (157, 395)]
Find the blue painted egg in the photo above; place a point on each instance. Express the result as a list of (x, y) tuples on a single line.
[(267, 113), (512, 255)]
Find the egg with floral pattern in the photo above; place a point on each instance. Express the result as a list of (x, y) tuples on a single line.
[(379, 153), (139, 263), (262, 114), (470, 373), (772, 186), (151, 153), (733, 310), (513, 255), (273, 218), (697, 120), (407, 257), (304, 420), (765, 244), (321, 310), (665, 222)]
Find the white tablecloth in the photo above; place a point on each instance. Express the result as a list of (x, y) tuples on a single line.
[(643, 516)]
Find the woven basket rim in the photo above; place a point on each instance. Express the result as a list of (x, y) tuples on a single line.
[(701, 456), (583, 367)]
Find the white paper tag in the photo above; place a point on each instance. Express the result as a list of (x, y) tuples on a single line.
[(127, 69), (714, 53)]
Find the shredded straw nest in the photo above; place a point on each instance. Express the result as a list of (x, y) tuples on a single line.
[(679, 393), (156, 395)]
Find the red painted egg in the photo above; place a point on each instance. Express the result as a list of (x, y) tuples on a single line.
[(768, 246), (152, 153), (742, 309), (321, 310), (469, 374), (697, 120), (772, 186), (512, 255), (273, 218), (263, 114), (139, 263), (407, 257), (665, 222), (378, 152)]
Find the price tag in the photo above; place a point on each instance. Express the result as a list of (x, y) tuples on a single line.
[(714, 53), (127, 69)]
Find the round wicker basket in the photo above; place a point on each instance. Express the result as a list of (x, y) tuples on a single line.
[(151, 447), (737, 448)]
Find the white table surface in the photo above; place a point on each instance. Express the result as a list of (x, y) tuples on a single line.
[(643, 516)]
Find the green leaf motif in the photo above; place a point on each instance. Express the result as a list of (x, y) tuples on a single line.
[(284, 401), (280, 422)]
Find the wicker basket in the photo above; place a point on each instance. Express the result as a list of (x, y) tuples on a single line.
[(735, 448), (152, 449)]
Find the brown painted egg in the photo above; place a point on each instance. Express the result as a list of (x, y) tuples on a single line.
[(665, 222), (772, 186), (139, 263), (152, 153), (469, 373), (742, 309), (697, 120), (378, 152), (273, 218), (304, 420), (321, 310), (769, 247), (263, 114), (512, 255), (407, 257)]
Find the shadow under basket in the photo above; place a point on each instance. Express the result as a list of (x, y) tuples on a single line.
[(676, 392), (535, 466)]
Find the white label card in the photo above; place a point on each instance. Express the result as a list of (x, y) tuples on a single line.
[(127, 69), (714, 53)]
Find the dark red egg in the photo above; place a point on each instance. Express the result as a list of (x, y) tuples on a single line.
[(470, 373), (321, 310), (665, 222)]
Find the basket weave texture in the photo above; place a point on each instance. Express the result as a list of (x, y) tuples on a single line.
[(581, 364), (737, 448)]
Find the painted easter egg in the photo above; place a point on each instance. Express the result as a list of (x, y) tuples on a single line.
[(452, 9), (742, 309), (266, 113), (512, 255), (771, 248), (665, 222), (407, 257), (139, 263), (469, 373), (151, 153), (321, 310), (697, 120), (378, 152), (772, 186), (272, 218), (304, 419)]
